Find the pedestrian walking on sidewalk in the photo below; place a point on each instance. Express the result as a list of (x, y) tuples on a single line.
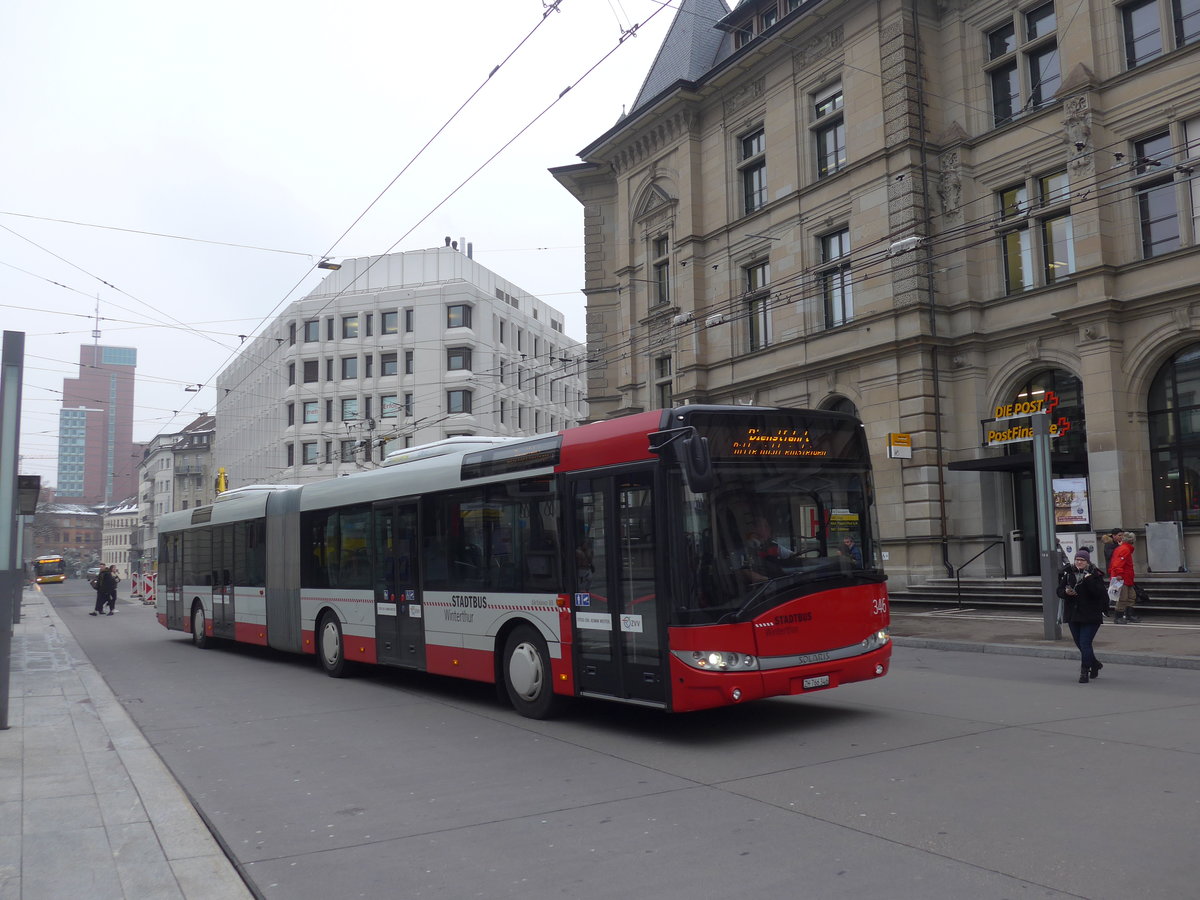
[(112, 594), (1122, 567), (1081, 587), (106, 584)]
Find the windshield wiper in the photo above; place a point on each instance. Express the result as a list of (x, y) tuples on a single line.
[(788, 579)]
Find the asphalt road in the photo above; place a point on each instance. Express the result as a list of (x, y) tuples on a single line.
[(958, 775)]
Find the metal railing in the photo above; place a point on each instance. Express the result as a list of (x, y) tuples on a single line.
[(958, 570)]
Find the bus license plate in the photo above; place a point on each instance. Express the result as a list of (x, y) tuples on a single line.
[(816, 682)]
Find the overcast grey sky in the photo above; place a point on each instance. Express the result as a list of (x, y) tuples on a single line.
[(274, 125)]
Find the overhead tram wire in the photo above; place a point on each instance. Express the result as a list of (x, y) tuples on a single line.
[(174, 237), (451, 194), (554, 6), (63, 259)]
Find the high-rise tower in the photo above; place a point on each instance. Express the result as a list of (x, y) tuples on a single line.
[(96, 454)]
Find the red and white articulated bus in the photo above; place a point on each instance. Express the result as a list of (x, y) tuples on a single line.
[(681, 559)]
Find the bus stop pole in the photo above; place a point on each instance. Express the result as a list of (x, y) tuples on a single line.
[(11, 581), (1047, 545)]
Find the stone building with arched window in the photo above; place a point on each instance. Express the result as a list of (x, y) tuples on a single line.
[(930, 212)]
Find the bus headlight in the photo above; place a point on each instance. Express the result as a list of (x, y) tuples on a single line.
[(876, 640), (718, 660)]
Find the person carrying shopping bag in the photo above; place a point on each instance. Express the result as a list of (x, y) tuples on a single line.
[(1120, 570)]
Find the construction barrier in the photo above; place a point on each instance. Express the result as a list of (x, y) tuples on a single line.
[(149, 582)]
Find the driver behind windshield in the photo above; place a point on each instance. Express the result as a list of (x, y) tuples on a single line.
[(763, 555)]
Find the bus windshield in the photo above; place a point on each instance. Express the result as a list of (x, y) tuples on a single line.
[(45, 567), (768, 532)]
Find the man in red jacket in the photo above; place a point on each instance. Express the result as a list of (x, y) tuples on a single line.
[(1121, 567)]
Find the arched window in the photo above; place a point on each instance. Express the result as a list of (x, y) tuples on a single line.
[(1061, 395), (842, 405), (1174, 413)]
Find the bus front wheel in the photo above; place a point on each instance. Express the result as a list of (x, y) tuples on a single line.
[(331, 648), (527, 676), (199, 638)]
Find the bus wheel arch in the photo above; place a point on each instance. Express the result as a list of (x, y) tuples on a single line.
[(526, 672), (200, 638), (330, 643)]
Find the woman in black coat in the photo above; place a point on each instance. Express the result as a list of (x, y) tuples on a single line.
[(106, 584), (1081, 587)]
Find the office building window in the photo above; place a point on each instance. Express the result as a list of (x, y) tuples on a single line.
[(458, 359), (408, 321), (1024, 66), (312, 330), (662, 382), (829, 130), (1158, 201), (458, 315), (291, 374), (388, 406), (837, 295), (349, 367), (387, 364), (389, 322), (662, 270), (349, 409), (408, 405), (346, 450), (310, 453), (1052, 255), (758, 315), (291, 414), (458, 401), (409, 362), (312, 371), (312, 411), (752, 169), (349, 326), (290, 452), (1154, 27)]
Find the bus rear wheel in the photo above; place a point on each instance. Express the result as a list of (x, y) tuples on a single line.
[(331, 648), (199, 638), (527, 675)]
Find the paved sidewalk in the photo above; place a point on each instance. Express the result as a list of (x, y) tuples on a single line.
[(1172, 642), (87, 808)]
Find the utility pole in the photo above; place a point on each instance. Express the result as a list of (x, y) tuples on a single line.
[(1047, 545)]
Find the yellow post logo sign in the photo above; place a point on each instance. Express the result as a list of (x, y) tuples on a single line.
[(1002, 430)]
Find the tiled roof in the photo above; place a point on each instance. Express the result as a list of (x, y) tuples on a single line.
[(690, 49)]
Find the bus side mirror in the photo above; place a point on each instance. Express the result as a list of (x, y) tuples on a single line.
[(696, 463)]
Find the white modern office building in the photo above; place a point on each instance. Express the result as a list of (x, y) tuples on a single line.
[(390, 352)]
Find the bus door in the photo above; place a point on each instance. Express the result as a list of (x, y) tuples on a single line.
[(222, 611), (618, 631), (399, 613), (170, 582)]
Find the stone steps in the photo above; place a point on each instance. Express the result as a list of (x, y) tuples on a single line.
[(1169, 594)]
